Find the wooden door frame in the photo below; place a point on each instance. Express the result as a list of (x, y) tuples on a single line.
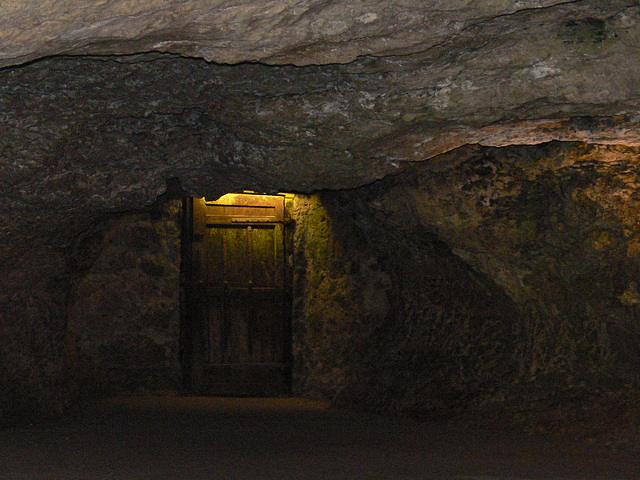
[(192, 292)]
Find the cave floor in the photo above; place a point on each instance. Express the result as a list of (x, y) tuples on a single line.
[(175, 437)]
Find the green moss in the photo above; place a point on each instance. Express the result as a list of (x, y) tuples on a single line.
[(318, 234), (330, 313)]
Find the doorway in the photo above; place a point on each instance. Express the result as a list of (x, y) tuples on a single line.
[(236, 326)]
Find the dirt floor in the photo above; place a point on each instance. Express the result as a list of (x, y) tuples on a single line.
[(173, 437)]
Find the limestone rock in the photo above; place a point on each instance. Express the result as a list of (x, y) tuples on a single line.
[(300, 32)]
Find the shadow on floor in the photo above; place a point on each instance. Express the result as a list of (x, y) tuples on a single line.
[(174, 437)]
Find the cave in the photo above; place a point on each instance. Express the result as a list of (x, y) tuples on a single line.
[(460, 231)]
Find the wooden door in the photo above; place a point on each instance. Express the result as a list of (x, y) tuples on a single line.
[(239, 261)]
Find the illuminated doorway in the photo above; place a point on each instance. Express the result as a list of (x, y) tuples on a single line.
[(236, 318)]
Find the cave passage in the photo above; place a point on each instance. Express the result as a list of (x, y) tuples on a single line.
[(463, 242)]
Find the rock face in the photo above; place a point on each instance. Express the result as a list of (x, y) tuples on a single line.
[(387, 317), (418, 78), (509, 266), (464, 281), (123, 314), (455, 237), (340, 294), (300, 32)]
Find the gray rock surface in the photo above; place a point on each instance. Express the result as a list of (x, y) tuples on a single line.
[(300, 32)]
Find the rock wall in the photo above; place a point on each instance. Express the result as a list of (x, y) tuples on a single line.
[(462, 283), (123, 315), (95, 316), (34, 377), (339, 294), (486, 278), (554, 229), (389, 318)]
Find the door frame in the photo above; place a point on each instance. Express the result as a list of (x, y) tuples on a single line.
[(193, 348)]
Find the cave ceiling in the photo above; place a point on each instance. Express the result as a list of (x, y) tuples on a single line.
[(101, 102)]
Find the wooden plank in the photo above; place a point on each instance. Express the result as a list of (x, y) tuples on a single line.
[(247, 208)]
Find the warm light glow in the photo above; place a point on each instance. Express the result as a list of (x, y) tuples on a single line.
[(231, 198), (228, 198)]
